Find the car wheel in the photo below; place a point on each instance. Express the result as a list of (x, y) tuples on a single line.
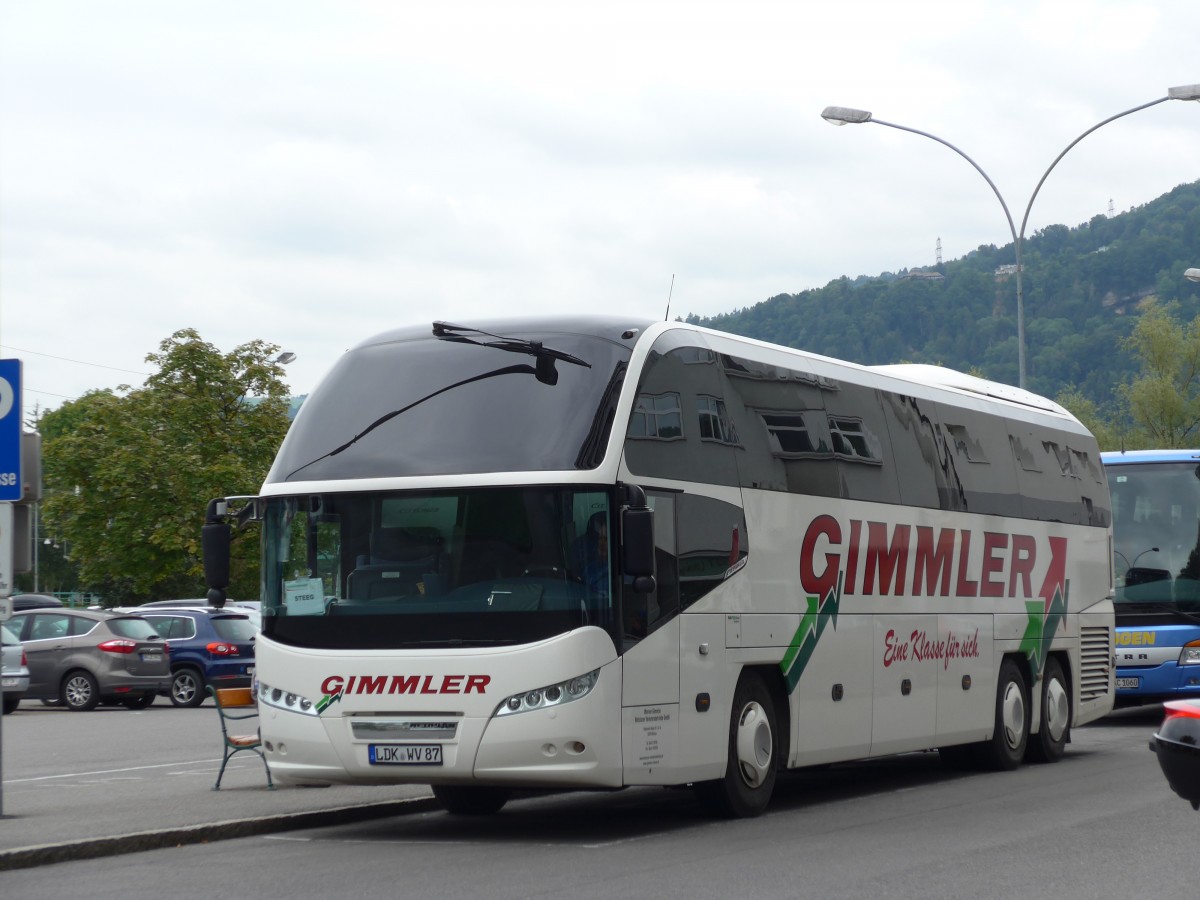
[(1006, 749), (461, 800), (10, 704), (138, 701), (749, 778), (1054, 730), (80, 692), (187, 688)]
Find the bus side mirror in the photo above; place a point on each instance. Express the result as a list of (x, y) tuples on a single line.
[(215, 539), (637, 534)]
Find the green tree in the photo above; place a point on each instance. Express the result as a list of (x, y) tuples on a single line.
[(128, 477), (1164, 396)]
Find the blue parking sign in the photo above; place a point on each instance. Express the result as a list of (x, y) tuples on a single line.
[(11, 488)]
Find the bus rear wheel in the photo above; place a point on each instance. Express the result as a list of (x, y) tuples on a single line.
[(1006, 749), (1054, 726), (461, 800), (750, 772)]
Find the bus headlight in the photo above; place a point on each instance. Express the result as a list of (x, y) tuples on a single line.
[(1190, 655), (281, 699), (554, 695)]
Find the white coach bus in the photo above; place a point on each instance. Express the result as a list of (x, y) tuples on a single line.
[(590, 553)]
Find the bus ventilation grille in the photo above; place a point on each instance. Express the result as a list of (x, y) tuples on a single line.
[(1096, 661)]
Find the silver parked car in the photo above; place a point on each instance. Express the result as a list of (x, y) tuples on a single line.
[(14, 674), (83, 657)]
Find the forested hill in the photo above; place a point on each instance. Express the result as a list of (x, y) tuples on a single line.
[(1083, 289)]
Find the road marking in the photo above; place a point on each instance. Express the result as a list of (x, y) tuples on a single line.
[(171, 765)]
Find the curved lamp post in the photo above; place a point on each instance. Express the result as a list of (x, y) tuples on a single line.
[(1192, 274), (841, 115)]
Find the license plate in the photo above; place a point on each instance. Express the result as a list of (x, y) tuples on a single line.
[(405, 754), (10, 682), (151, 657), (1129, 684)]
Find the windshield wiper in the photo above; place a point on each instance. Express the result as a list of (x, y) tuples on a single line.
[(520, 369), (546, 356)]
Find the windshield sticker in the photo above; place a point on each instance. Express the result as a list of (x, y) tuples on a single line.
[(304, 597)]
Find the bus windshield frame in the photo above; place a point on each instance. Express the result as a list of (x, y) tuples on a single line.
[(1156, 536)]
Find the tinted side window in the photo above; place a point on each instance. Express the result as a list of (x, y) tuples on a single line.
[(234, 628), (712, 544), (979, 452), (135, 629), (680, 426), (47, 626), (924, 464), (1058, 475), (780, 418), (862, 444)]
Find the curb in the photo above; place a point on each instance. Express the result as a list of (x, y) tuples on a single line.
[(93, 848)]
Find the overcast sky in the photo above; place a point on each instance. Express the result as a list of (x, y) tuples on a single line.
[(311, 173)]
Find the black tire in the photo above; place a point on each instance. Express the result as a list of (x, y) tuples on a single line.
[(79, 691), (187, 687), (754, 743), (138, 701), (1054, 725), (1006, 749), (462, 800), (11, 704)]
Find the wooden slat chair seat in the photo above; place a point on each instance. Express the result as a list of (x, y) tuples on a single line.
[(234, 704)]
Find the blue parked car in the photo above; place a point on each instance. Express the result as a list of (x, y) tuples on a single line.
[(208, 647)]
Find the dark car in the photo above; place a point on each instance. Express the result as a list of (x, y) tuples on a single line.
[(1177, 744), (22, 602), (82, 657), (208, 647)]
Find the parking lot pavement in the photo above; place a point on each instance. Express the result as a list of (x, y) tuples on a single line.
[(102, 791)]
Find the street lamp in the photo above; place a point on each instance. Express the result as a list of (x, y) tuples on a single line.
[(284, 358), (842, 115), (1192, 274)]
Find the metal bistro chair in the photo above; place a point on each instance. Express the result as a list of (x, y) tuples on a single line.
[(232, 704)]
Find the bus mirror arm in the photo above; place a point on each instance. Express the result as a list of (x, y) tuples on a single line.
[(215, 539)]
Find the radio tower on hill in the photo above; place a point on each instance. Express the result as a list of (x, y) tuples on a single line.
[(939, 251)]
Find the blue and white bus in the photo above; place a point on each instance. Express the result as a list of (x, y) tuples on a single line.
[(594, 552), (1156, 557)]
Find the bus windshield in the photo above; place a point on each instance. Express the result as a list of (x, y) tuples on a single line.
[(1156, 535), (418, 404), (403, 569)]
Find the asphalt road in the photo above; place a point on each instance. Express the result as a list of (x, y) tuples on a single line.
[(1102, 823), (111, 780)]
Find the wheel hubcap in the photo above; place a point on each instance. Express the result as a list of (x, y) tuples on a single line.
[(1013, 715), (754, 745), (185, 688), (1057, 709), (78, 691)]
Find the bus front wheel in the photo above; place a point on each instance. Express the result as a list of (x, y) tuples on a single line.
[(462, 800), (750, 772), (1054, 727)]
